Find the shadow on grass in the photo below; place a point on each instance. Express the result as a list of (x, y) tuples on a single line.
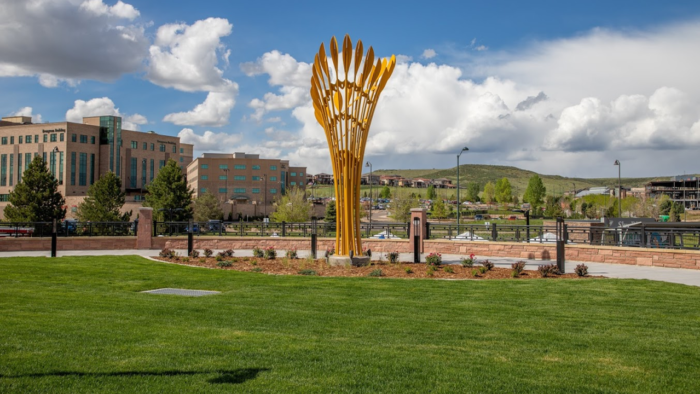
[(235, 376)]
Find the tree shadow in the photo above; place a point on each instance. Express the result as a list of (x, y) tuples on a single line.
[(234, 376)]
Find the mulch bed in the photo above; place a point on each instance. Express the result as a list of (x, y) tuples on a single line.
[(319, 267)]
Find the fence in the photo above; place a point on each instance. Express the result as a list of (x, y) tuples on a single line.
[(68, 229)]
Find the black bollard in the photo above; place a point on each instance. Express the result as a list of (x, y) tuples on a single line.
[(314, 241), (190, 239), (54, 238), (561, 241)]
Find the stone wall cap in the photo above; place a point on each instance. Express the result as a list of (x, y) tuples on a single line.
[(418, 210), (145, 209)]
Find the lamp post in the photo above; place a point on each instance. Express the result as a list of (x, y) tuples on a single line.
[(368, 164), (459, 203), (619, 190)]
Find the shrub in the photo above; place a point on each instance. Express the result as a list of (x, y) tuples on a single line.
[(468, 262), (228, 253), (186, 259), (487, 264), (256, 269), (219, 257), (408, 270), (514, 274), (223, 264), (376, 272), (208, 252), (330, 252), (581, 270), (270, 253), (548, 269), (430, 271), (167, 253), (483, 269), (202, 260), (475, 273), (434, 259), (393, 257), (194, 254), (518, 267), (291, 254), (308, 272), (449, 270), (257, 252), (367, 252), (221, 254), (254, 262)]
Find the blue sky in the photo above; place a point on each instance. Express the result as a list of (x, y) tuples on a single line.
[(556, 87)]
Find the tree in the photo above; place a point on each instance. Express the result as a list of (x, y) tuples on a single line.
[(207, 207), (401, 208), (169, 190), (104, 201), (292, 207), (515, 200), (553, 207), (473, 189), (535, 192), (504, 192), (672, 209), (330, 212), (438, 209), (489, 192), (36, 198), (385, 192), (431, 194)]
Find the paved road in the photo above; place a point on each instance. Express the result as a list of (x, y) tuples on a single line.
[(672, 275)]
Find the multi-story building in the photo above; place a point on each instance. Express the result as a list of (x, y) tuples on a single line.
[(244, 183), (77, 154), (681, 189)]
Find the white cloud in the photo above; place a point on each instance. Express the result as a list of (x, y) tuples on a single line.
[(27, 111), (103, 106), (403, 59), (214, 111), (210, 141), (428, 54), (58, 42), (119, 10)]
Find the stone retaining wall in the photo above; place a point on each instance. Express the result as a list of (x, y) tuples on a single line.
[(10, 244), (280, 243)]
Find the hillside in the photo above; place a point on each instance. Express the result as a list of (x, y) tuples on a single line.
[(518, 178)]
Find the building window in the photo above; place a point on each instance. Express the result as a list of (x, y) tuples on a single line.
[(223, 177), (92, 167), (153, 146), (204, 177), (301, 174), (161, 147), (273, 168), (62, 137), (4, 140), (36, 138), (239, 167), (255, 191), (204, 166), (12, 140), (239, 178), (28, 139), (72, 168), (4, 197), (161, 164), (143, 173), (73, 138), (256, 167), (12, 167), (293, 183), (132, 178), (273, 178), (182, 150), (82, 170), (222, 190), (46, 138), (145, 146), (203, 190), (3, 169), (27, 160), (293, 174), (52, 163), (83, 139), (134, 145), (52, 138), (273, 191), (19, 167), (256, 178), (92, 139), (174, 149), (21, 137), (182, 159), (223, 166), (152, 170), (239, 190)]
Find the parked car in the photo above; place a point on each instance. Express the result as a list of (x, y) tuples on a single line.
[(512, 217), (478, 217), (214, 225)]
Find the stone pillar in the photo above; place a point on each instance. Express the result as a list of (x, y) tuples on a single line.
[(145, 229), (419, 213)]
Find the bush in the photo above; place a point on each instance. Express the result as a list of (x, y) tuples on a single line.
[(208, 252), (376, 272), (221, 254), (330, 252), (219, 257), (257, 252), (408, 270), (256, 269), (518, 267), (514, 274), (483, 269), (167, 253), (449, 270), (548, 269), (487, 264), (228, 253), (308, 272), (223, 264), (475, 273), (270, 253), (581, 270), (194, 254), (254, 262), (468, 262), (202, 260), (186, 259), (291, 254), (434, 259), (367, 252), (430, 271), (393, 257)]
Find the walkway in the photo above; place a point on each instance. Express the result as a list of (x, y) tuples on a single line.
[(672, 275)]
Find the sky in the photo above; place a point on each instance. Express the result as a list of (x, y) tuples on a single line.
[(561, 88)]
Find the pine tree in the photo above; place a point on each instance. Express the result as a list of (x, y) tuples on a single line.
[(36, 198), (207, 207), (292, 207), (104, 201), (169, 190), (330, 212)]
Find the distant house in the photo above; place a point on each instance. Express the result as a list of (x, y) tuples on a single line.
[(373, 179), (421, 182), (442, 183), (323, 179)]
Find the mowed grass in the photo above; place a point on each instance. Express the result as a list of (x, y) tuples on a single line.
[(82, 325)]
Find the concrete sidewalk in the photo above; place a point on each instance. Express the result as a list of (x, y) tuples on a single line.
[(672, 275)]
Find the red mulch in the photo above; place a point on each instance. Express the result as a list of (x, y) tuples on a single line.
[(285, 266)]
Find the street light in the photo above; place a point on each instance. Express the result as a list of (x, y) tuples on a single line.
[(368, 164), (459, 203), (619, 190)]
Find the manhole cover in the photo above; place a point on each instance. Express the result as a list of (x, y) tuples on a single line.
[(183, 292)]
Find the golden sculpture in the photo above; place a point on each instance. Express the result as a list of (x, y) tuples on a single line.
[(344, 103)]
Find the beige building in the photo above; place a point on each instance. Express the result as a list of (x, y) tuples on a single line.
[(77, 154), (244, 183)]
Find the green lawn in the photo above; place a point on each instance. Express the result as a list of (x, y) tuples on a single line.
[(81, 325)]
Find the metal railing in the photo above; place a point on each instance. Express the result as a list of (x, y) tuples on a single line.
[(68, 229)]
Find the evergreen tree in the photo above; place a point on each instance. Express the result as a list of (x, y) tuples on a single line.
[(207, 207), (504, 192), (535, 192), (431, 194), (104, 201), (292, 207), (36, 198), (489, 192), (330, 212), (169, 190)]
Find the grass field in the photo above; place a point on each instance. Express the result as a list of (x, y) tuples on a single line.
[(82, 325)]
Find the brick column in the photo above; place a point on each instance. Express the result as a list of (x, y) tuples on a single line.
[(145, 231), (419, 213)]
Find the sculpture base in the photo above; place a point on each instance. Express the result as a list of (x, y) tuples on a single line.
[(343, 261)]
